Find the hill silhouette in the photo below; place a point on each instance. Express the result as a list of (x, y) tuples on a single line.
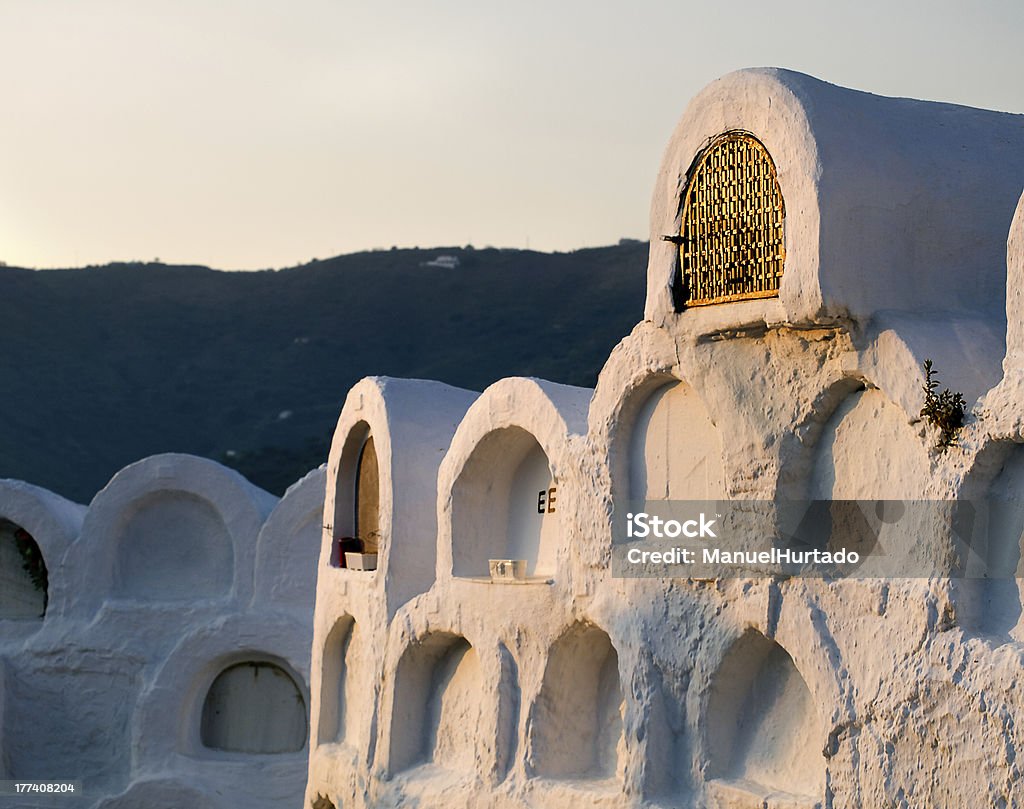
[(102, 366)]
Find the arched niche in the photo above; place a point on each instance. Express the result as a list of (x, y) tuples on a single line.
[(577, 719), (675, 449), (439, 705), (341, 684), (356, 519), (868, 450), (172, 546), (254, 707), (990, 525), (24, 580), (505, 505), (762, 730)]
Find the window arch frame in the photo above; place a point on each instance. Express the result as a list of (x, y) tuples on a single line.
[(696, 286)]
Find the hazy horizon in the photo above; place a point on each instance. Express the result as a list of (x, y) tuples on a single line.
[(250, 135)]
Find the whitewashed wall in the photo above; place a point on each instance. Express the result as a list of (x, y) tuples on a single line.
[(576, 688), (172, 665)]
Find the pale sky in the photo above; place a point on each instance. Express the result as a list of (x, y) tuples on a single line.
[(247, 134)]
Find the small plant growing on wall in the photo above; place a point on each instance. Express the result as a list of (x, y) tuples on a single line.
[(944, 410)]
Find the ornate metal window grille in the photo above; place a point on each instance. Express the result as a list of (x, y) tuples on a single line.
[(731, 238)]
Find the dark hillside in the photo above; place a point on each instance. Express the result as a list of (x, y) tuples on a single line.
[(105, 365)]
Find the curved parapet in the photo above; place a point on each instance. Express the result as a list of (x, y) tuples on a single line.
[(887, 203), (36, 528), (288, 548), (381, 481), (168, 529), (499, 492)]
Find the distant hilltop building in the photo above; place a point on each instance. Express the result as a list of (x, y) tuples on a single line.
[(443, 262), (448, 621)]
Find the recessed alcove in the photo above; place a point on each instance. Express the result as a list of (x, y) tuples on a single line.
[(505, 505), (868, 450), (577, 718), (989, 524), (762, 733), (23, 575), (675, 448), (356, 519), (173, 546), (254, 707), (340, 683), (438, 708)]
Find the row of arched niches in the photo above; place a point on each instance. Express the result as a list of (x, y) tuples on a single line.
[(804, 264), (572, 685), (154, 646)]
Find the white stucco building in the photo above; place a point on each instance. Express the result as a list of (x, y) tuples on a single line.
[(171, 665), (825, 242)]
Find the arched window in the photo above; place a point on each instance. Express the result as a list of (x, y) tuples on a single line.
[(731, 243)]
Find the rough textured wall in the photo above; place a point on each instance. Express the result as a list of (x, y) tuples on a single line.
[(590, 690), (171, 666)]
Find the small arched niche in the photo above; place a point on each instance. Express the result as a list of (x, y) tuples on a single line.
[(173, 546), (505, 505), (675, 449), (341, 684), (438, 708), (23, 576), (254, 707), (868, 450), (762, 729), (991, 530), (357, 522), (577, 719)]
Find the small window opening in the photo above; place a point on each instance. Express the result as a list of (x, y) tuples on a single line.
[(731, 240)]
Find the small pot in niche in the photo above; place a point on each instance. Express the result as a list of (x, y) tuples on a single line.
[(361, 561)]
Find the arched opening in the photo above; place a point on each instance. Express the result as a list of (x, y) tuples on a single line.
[(505, 506), (357, 524), (24, 580), (340, 684), (438, 707), (577, 719), (675, 450), (762, 729), (868, 451), (731, 242), (254, 707), (173, 546), (990, 529)]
